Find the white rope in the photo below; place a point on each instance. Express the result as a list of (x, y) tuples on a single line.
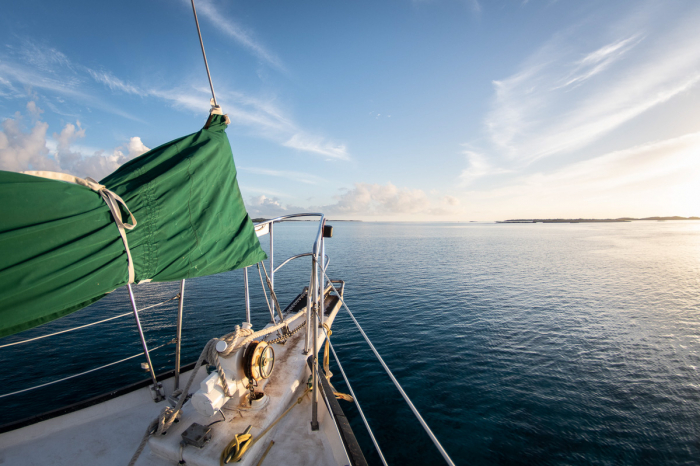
[(82, 373), (272, 314), (432, 436), (357, 403), (273, 296), (110, 198), (86, 325)]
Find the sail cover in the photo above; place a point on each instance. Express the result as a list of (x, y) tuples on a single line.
[(60, 248)]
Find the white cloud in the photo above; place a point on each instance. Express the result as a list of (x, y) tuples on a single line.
[(24, 148), (265, 201), (376, 199), (367, 200), (21, 150), (34, 110), (268, 207), (451, 201)]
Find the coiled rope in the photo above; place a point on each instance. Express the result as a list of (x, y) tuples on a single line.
[(234, 450)]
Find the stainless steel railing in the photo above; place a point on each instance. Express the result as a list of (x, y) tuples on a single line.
[(315, 295)]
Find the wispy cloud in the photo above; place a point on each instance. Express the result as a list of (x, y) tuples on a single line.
[(50, 70), (598, 60), (566, 97), (261, 117), (655, 178), (317, 145), (114, 83), (208, 10), (475, 6), (247, 190), (302, 177), (478, 167), (47, 69)]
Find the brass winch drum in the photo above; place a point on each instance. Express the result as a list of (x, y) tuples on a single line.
[(258, 360)]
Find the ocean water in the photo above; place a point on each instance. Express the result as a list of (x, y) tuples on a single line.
[(520, 344)]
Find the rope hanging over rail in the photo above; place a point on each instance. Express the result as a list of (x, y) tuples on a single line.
[(326, 366)]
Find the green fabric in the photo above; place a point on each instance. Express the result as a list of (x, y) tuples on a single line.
[(60, 249)]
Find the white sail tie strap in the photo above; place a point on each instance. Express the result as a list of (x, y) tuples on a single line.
[(110, 198), (216, 110)]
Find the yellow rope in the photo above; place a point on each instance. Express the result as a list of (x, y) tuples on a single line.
[(233, 452), (326, 363), (272, 442), (237, 447)]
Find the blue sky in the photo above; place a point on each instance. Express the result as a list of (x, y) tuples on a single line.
[(396, 110)]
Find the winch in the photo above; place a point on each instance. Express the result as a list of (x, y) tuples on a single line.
[(254, 363), (258, 360)]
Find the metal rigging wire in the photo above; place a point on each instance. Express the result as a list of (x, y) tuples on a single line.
[(86, 372), (427, 429), (88, 325), (204, 54), (354, 398)]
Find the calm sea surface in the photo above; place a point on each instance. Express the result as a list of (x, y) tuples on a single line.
[(519, 344)]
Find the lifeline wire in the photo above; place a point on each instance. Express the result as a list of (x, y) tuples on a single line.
[(83, 373), (88, 325), (357, 403), (204, 54), (432, 436)]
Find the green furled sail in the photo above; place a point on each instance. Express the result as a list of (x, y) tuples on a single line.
[(60, 248)]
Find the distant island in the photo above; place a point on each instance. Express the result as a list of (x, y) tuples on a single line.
[(595, 220), (258, 220)]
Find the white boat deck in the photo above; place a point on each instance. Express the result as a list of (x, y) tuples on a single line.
[(109, 433)]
